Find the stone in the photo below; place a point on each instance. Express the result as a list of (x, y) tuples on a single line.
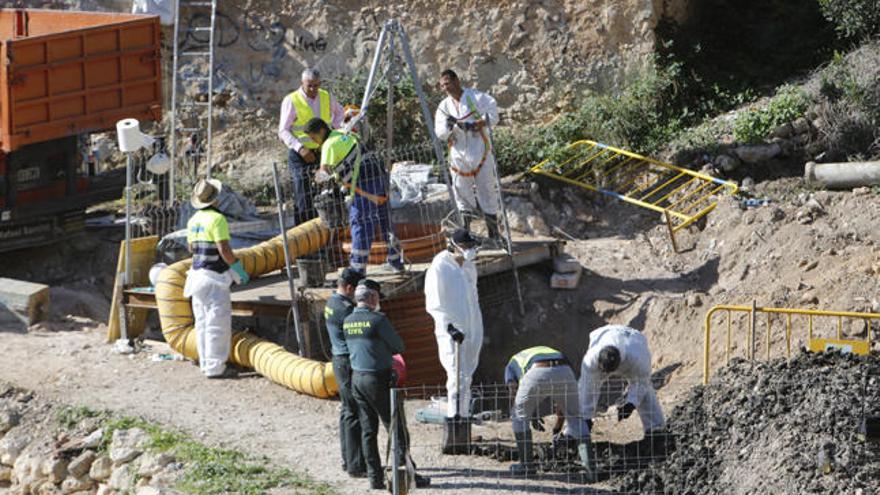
[(861, 191), (101, 468), (46, 488), (105, 490), (26, 466), (774, 214), (127, 445), (55, 470), (148, 490), (76, 484), (856, 328), (809, 298), (810, 265), (783, 131), (81, 464), (727, 163), (756, 153), (9, 419), (814, 206), (747, 183), (801, 126), (11, 447), (694, 300), (150, 463), (5, 473), (122, 478)]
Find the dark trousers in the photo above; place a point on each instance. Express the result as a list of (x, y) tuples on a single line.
[(301, 174), (372, 392), (350, 442)]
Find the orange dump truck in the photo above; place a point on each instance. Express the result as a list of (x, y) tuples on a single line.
[(64, 75)]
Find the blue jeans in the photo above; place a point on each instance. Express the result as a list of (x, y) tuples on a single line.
[(365, 216), (301, 174)]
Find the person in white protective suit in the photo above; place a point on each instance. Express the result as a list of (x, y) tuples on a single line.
[(620, 352), (460, 120), (214, 268), (451, 299)]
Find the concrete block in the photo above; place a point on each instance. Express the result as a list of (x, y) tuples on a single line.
[(566, 263), (568, 281), (25, 302)]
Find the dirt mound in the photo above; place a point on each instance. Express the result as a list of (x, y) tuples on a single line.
[(769, 427)]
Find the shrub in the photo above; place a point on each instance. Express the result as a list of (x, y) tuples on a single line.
[(754, 125), (853, 19)]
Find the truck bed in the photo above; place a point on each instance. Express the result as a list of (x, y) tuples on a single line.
[(65, 73)]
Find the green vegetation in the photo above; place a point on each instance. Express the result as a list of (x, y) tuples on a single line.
[(208, 470), (754, 125), (853, 19), (70, 416)]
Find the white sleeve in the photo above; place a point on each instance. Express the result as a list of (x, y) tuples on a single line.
[(588, 390), (440, 128)]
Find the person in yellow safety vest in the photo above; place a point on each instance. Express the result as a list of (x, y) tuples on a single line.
[(460, 120), (214, 268), (539, 378), (297, 108), (364, 178)]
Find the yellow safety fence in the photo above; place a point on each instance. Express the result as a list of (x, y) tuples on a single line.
[(270, 360), (681, 195), (784, 314)]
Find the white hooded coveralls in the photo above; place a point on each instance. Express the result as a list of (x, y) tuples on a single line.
[(212, 311), (451, 297), (467, 150), (635, 368)]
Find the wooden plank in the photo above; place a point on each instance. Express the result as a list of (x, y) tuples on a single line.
[(23, 302), (143, 256)]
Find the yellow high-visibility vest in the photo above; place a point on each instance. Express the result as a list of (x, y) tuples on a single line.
[(304, 114)]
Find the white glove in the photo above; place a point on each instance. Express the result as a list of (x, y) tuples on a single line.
[(321, 176)]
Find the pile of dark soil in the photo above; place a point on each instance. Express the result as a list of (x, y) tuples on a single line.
[(775, 427)]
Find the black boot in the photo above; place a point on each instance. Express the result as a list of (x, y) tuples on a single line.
[(466, 217), (526, 464)]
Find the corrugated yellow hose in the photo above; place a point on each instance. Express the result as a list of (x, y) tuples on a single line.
[(270, 360)]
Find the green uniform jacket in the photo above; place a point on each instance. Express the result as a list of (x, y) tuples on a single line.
[(335, 311), (371, 340)]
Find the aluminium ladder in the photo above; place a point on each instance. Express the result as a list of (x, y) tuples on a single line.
[(192, 111)]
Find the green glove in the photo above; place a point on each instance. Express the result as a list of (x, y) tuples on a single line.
[(239, 276)]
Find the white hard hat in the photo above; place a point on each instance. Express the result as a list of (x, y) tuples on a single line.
[(154, 272), (159, 164)]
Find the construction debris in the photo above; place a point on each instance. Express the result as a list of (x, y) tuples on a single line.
[(22, 303)]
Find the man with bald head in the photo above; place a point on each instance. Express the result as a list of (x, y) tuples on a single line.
[(297, 109)]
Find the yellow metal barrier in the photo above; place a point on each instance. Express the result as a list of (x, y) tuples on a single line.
[(681, 195), (751, 341)]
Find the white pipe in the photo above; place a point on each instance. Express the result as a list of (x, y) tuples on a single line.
[(842, 175)]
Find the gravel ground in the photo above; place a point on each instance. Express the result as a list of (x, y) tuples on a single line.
[(762, 428)]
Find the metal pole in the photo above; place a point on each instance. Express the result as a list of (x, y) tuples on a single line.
[(395, 464), (426, 114), (128, 181), (210, 107), (293, 299), (519, 296), (174, 102), (389, 107), (374, 68), (752, 322)]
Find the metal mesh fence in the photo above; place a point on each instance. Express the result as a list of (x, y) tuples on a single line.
[(713, 438), (498, 457)]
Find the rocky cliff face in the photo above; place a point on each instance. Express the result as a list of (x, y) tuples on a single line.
[(516, 49)]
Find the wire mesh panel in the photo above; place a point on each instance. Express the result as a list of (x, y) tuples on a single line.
[(533, 439)]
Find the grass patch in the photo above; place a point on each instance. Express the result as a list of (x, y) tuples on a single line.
[(70, 416), (208, 470)]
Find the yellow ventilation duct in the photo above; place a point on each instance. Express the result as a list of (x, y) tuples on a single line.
[(270, 360)]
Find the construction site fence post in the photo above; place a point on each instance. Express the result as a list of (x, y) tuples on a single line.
[(294, 303), (395, 448)]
